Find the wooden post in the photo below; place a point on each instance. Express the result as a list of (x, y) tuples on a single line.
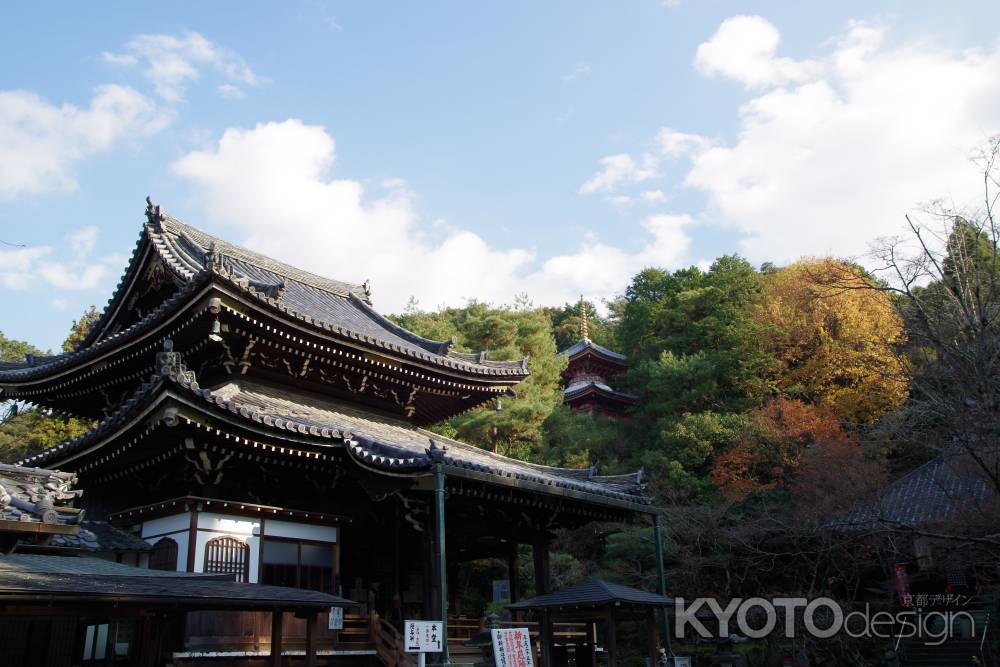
[(545, 639), (654, 653), (337, 588), (662, 580), (442, 558), (612, 637), (192, 539), (277, 645), (312, 630), (543, 573), (514, 572)]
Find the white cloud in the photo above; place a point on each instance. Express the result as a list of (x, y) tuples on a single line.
[(171, 62), (16, 266), (40, 143), (744, 48), (26, 268), (272, 187), (653, 196), (580, 71), (618, 170), (832, 162), (671, 4)]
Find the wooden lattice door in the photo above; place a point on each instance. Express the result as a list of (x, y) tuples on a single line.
[(227, 555)]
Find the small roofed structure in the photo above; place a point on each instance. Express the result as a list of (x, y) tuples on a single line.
[(587, 372), (594, 602), (33, 506)]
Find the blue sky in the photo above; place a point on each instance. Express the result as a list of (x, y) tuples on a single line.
[(456, 150)]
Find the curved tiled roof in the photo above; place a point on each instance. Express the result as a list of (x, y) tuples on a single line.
[(41, 366), (582, 388), (344, 309), (587, 344), (331, 305), (375, 441)]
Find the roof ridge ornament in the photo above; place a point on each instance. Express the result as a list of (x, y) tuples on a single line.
[(436, 452), (170, 363), (153, 213)]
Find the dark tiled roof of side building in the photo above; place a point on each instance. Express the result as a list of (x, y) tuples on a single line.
[(940, 490), (594, 593)]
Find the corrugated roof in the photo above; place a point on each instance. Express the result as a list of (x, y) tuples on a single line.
[(594, 593)]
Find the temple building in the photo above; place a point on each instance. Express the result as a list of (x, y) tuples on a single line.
[(587, 372), (264, 423)]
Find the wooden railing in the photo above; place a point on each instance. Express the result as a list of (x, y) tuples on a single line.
[(389, 644)]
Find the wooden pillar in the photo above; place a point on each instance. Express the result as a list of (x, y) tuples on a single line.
[(545, 639), (514, 572), (277, 645), (337, 587), (662, 581), (543, 571), (312, 631), (654, 652), (442, 555), (192, 539), (612, 637)]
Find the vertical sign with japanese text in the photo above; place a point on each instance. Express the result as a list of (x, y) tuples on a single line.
[(422, 637), (512, 647)]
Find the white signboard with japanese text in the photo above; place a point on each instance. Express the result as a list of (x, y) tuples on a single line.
[(422, 637), (512, 647), (336, 621)]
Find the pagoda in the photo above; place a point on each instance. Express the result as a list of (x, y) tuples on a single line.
[(266, 423), (587, 371)]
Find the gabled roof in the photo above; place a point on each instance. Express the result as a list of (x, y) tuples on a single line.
[(327, 306), (940, 490), (587, 345), (594, 593), (374, 441)]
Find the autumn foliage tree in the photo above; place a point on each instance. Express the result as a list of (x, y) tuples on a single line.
[(837, 348)]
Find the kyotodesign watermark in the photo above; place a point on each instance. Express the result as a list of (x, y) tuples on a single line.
[(821, 618)]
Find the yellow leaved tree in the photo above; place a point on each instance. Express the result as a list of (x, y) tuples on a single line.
[(837, 348)]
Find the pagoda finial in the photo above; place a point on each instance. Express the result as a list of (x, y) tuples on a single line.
[(584, 331)]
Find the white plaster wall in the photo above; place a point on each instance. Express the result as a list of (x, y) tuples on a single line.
[(300, 531), (166, 524)]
